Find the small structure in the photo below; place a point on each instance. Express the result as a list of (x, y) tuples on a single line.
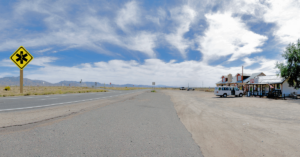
[(263, 85), (238, 80), (224, 81)]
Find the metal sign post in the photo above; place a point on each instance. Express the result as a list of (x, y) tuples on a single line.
[(153, 85), (21, 81), (21, 57)]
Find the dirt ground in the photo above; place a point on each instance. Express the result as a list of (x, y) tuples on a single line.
[(239, 126)]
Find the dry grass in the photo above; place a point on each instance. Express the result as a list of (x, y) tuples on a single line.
[(124, 88), (205, 89), (196, 89), (29, 90)]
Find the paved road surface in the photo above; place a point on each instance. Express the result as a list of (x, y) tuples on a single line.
[(29, 102), (144, 125)]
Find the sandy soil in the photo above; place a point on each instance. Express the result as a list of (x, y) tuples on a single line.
[(224, 127), (24, 117)]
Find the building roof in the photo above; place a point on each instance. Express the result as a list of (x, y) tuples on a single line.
[(272, 79), (220, 82), (248, 79), (244, 81), (252, 77), (244, 74)]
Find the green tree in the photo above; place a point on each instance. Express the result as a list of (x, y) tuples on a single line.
[(291, 70)]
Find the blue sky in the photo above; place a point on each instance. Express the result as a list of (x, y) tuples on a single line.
[(170, 42)]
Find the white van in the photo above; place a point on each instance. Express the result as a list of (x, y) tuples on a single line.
[(225, 91)]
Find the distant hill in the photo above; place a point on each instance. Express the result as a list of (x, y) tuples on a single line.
[(15, 81)]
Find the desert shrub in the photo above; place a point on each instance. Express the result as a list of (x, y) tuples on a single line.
[(27, 94), (153, 91), (7, 88)]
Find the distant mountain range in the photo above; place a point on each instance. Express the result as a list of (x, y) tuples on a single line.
[(15, 81)]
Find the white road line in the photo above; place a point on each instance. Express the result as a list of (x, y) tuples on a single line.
[(12, 109)]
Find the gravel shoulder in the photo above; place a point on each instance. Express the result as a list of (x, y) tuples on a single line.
[(239, 126)]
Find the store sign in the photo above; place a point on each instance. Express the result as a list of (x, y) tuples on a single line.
[(251, 80)]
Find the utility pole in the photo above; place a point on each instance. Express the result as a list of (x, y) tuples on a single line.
[(242, 78)]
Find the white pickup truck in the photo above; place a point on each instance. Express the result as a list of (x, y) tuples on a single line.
[(225, 91)]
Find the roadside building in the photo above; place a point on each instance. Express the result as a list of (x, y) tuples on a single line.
[(239, 80), (228, 80), (224, 81), (261, 85)]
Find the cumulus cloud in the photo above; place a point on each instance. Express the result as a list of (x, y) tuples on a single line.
[(286, 15), (84, 30), (129, 15), (183, 17), (127, 26), (7, 63), (169, 73), (42, 61), (228, 35)]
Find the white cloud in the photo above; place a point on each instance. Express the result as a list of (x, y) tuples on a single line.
[(87, 30), (143, 42), (42, 61), (129, 15), (123, 72), (7, 63), (286, 15), (228, 35), (44, 50), (183, 17)]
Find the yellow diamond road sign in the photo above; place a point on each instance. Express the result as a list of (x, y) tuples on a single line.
[(21, 57)]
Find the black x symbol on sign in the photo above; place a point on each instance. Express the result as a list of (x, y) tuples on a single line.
[(21, 57)]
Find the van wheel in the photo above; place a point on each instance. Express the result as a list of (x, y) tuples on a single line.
[(224, 95), (221, 96), (241, 94)]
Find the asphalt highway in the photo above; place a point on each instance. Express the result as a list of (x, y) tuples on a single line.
[(32, 102), (145, 124)]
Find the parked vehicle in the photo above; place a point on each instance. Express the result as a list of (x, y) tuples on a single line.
[(190, 89), (182, 88), (225, 91)]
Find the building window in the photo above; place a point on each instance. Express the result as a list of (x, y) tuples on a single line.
[(278, 86), (239, 78)]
